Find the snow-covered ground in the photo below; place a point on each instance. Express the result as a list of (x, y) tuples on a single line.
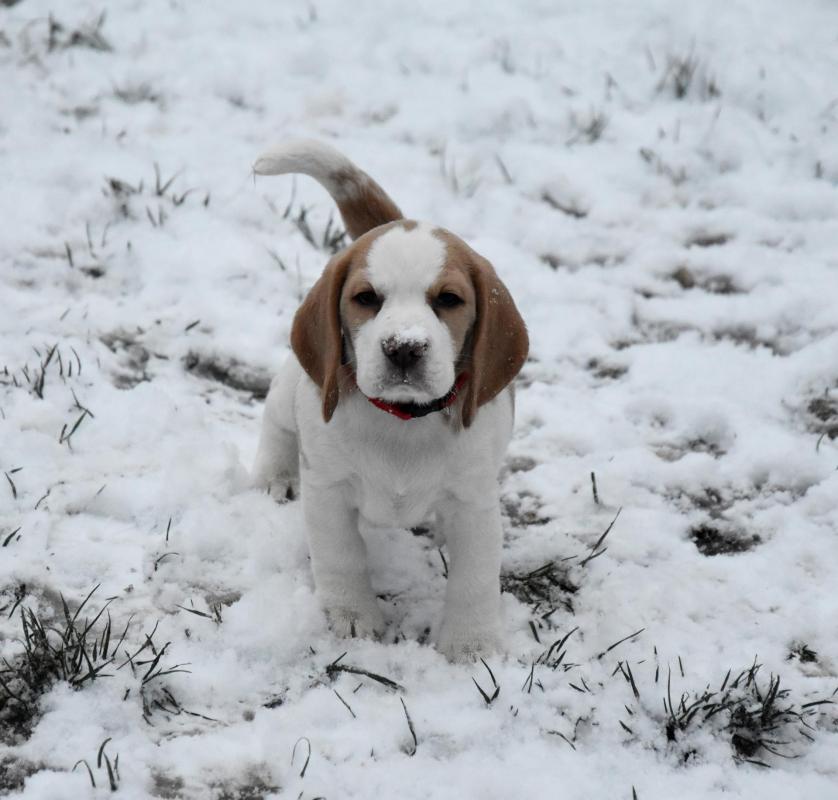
[(655, 182)]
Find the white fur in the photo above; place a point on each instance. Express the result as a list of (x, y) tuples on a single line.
[(333, 170), (368, 468), (401, 266)]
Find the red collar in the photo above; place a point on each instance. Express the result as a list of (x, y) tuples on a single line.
[(406, 411)]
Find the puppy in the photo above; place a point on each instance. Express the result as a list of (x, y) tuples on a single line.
[(396, 405)]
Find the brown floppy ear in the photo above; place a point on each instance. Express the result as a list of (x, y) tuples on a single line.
[(499, 340), (316, 336)]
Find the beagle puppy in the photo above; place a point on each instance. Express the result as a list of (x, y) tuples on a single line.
[(396, 404)]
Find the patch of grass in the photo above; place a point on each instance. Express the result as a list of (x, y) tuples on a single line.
[(336, 667), (88, 35), (488, 699), (587, 128), (11, 597), (685, 76), (332, 239), (572, 209), (52, 360), (71, 651), (676, 175), (759, 721), (597, 549), (545, 589), (111, 769), (553, 657), (160, 192)]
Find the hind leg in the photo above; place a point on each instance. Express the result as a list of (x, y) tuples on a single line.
[(277, 464)]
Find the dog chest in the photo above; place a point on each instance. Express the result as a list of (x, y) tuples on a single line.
[(396, 494)]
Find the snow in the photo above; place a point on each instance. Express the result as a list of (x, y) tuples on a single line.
[(674, 258)]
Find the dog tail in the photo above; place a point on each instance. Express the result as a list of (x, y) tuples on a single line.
[(363, 204)]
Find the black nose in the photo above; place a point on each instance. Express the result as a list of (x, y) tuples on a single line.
[(403, 354)]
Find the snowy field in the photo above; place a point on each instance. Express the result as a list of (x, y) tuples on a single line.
[(656, 184)]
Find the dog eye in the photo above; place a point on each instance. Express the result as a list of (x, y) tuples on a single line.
[(367, 299), (448, 300)]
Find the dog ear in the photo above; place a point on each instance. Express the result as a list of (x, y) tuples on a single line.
[(499, 339), (316, 336)]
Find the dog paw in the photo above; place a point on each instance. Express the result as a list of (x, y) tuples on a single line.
[(366, 622), (283, 491), (283, 488), (460, 643)]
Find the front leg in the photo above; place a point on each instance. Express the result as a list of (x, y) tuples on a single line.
[(339, 563), (471, 626)]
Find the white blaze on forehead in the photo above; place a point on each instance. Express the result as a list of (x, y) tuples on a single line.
[(403, 262), (401, 266)]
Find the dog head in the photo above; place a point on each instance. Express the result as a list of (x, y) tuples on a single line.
[(404, 312), (407, 309)]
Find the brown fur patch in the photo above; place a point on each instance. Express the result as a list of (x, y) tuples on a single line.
[(363, 204), (498, 342), (317, 330), (456, 278)]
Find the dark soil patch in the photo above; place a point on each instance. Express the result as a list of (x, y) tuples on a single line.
[(747, 335), (802, 653), (676, 451), (523, 510), (551, 260), (705, 239), (651, 333), (714, 502), (254, 788), (823, 411), (715, 284), (701, 445), (606, 371), (13, 774), (715, 541), (711, 501), (520, 464), (556, 262), (132, 358), (167, 787), (230, 372), (93, 271)]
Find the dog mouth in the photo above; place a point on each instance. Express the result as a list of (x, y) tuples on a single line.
[(407, 410), (405, 388)]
